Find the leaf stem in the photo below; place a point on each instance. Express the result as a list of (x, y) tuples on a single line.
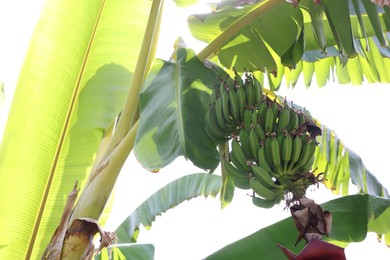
[(243, 21)]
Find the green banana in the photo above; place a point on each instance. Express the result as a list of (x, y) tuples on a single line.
[(216, 134), (234, 171), (225, 108), (262, 190), (263, 176), (263, 160), (238, 79), (260, 132), (250, 94), (213, 98), (267, 203), (295, 151), (275, 108), (269, 121), (301, 118), (258, 91), (307, 166), (245, 143), (304, 156), (219, 113), (247, 120), (286, 150), (293, 124), (240, 99), (234, 107), (262, 113), (254, 119), (238, 156), (283, 120), (254, 143), (275, 155)]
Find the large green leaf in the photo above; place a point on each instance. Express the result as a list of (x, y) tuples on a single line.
[(326, 32), (71, 87), (171, 195), (353, 216), (173, 103)]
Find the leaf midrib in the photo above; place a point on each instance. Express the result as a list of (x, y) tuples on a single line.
[(62, 137)]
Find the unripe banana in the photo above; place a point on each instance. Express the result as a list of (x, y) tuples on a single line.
[(262, 113), (267, 203), (245, 143), (260, 132), (262, 190), (250, 94), (240, 177), (304, 156), (295, 152), (301, 118), (247, 120), (238, 79), (275, 151), (241, 99), (275, 109), (225, 108), (215, 133), (307, 166), (269, 121), (263, 176), (258, 91), (219, 114), (283, 120), (293, 124), (286, 151), (254, 143), (254, 121), (234, 107), (238, 156), (263, 160)]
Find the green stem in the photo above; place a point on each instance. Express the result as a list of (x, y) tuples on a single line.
[(105, 171), (236, 27), (102, 180), (146, 56)]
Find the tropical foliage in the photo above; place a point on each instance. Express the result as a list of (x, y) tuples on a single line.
[(89, 91)]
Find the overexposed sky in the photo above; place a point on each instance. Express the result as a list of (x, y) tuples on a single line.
[(197, 228)]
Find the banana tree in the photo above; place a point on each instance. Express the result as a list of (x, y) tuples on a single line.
[(90, 91)]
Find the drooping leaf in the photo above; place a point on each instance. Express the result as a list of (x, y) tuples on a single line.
[(353, 216), (127, 251), (340, 164), (70, 89), (171, 195), (325, 31), (173, 103)]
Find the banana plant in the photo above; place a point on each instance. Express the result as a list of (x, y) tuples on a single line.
[(89, 91)]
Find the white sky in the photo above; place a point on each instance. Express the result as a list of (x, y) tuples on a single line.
[(197, 228)]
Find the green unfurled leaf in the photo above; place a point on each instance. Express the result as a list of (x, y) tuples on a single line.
[(257, 35), (373, 15), (339, 164), (127, 251), (171, 195), (353, 216), (70, 89), (173, 103)]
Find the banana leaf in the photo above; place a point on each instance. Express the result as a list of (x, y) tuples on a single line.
[(325, 32), (173, 102), (169, 196), (353, 216), (71, 87), (341, 165)]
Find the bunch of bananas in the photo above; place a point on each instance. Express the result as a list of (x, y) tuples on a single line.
[(272, 144), (227, 105)]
